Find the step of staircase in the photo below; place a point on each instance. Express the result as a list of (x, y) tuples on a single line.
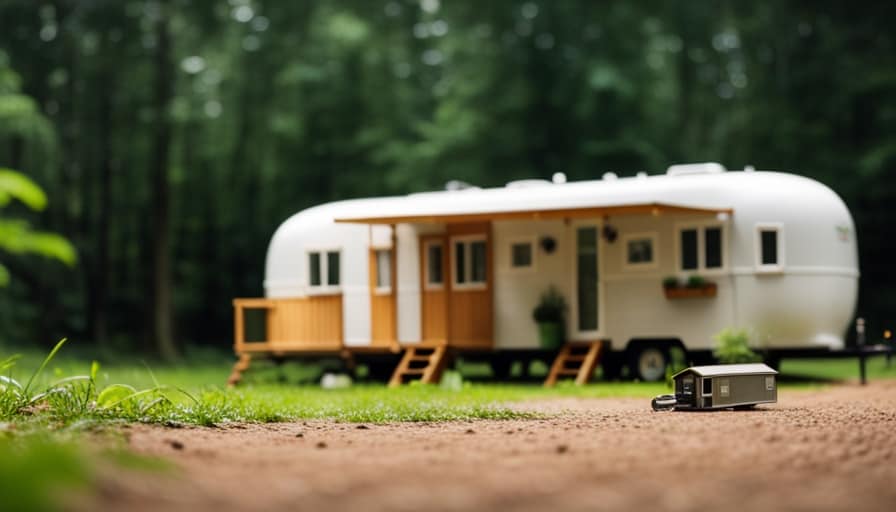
[(430, 372), (575, 359)]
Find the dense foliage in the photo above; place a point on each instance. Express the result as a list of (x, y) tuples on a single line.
[(173, 136)]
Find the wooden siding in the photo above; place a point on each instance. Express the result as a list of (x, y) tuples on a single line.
[(382, 305), (313, 323)]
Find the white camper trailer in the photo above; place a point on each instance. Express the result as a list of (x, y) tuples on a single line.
[(462, 270)]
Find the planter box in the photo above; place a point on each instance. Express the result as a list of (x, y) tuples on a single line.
[(708, 290)]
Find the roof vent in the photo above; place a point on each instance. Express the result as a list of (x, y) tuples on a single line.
[(455, 185), (704, 168), (527, 183)]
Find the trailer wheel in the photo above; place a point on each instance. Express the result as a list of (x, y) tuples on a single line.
[(648, 362)]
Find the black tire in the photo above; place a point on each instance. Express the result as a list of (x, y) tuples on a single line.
[(648, 362)]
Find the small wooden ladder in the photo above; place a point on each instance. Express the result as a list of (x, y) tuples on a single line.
[(576, 359), (420, 363)]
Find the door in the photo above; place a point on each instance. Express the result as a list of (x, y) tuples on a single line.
[(382, 297), (434, 295), (469, 285), (586, 319), (456, 294)]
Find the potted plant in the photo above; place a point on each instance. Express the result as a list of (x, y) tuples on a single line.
[(549, 314), (694, 286), (670, 282)]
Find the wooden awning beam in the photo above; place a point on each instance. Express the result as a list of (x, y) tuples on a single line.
[(557, 213)]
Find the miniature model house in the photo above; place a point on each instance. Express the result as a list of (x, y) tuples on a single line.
[(723, 386), (645, 263)]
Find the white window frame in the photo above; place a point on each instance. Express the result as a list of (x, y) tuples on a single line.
[(387, 289), (467, 241), (531, 242), (778, 228), (653, 236), (701, 247), (427, 284), (324, 288)]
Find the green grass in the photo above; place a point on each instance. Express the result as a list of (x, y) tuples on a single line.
[(64, 391), (35, 471), (69, 390), (838, 369)]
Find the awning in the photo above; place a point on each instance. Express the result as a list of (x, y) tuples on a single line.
[(450, 217)]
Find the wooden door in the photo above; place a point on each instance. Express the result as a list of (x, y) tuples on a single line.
[(433, 293), (469, 281), (382, 297)]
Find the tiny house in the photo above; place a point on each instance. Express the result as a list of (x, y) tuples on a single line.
[(645, 264), (724, 386)]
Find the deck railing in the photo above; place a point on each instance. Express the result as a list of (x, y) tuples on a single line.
[(305, 324)]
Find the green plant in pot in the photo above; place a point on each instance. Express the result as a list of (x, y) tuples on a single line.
[(550, 314)]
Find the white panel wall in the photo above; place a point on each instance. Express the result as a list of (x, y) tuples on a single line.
[(517, 292)]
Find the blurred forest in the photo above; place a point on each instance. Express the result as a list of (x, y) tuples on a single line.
[(173, 136)]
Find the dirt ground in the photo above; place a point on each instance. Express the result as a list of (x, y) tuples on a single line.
[(814, 450)]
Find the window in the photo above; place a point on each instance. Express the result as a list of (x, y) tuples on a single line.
[(701, 248), (434, 262), (689, 249), (713, 247), (769, 250), (521, 255), (470, 263), (639, 251), (323, 264), (383, 270), (314, 268)]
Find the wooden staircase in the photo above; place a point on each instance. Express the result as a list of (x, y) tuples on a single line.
[(576, 359), (424, 363)]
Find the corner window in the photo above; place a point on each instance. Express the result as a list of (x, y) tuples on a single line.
[(640, 251), (769, 248), (521, 255), (434, 260), (383, 262), (701, 248), (323, 269), (470, 263)]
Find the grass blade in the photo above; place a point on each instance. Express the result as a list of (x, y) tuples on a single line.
[(44, 364), (10, 381)]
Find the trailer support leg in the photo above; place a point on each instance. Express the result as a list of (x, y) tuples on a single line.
[(241, 365)]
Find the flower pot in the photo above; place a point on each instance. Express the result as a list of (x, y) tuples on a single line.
[(707, 290), (550, 334)]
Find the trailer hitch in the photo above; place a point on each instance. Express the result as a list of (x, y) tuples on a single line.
[(664, 403)]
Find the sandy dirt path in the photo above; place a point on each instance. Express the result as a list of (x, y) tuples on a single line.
[(814, 450)]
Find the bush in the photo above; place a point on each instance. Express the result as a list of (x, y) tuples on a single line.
[(551, 307), (670, 282), (732, 346)]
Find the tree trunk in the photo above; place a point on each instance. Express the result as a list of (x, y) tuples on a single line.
[(162, 328), (100, 282)]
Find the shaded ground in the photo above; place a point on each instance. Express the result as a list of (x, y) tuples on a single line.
[(814, 450)]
